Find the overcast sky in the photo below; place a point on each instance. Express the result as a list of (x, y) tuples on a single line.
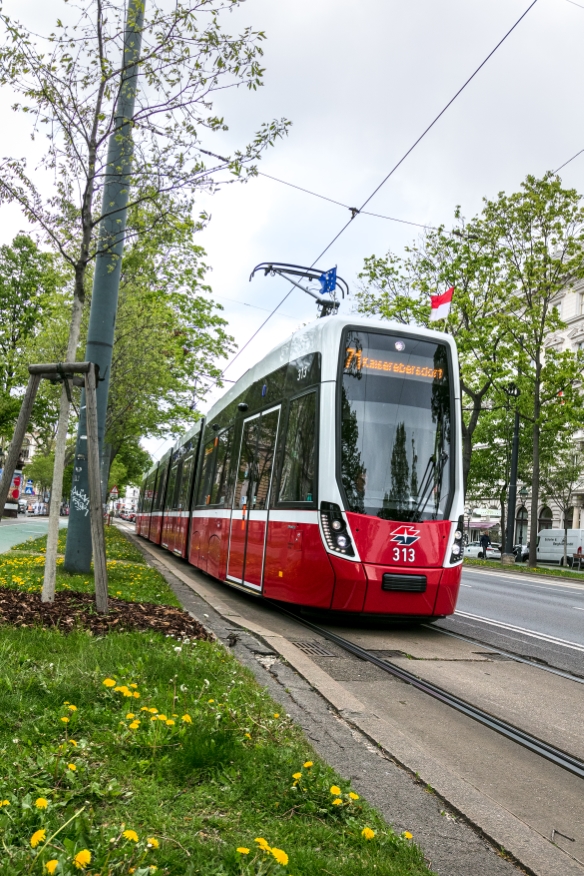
[(360, 80)]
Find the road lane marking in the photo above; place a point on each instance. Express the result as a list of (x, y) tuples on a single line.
[(578, 608), (521, 579), (532, 633), (466, 585)]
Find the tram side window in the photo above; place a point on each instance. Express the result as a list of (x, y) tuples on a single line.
[(204, 494), (219, 487), (160, 491), (185, 482), (170, 490), (297, 480)]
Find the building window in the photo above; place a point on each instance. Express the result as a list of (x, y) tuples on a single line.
[(546, 519), (521, 526)]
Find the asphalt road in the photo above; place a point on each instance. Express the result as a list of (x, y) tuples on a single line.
[(523, 614)]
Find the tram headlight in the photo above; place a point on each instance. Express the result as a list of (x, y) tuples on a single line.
[(456, 549), (335, 530)]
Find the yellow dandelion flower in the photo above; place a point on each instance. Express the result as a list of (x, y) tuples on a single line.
[(72, 708), (6, 802), (136, 695), (242, 850), (335, 790), (210, 701), (120, 689), (39, 836), (280, 856), (307, 764), (262, 843), (367, 833), (337, 801), (134, 685), (144, 709), (72, 767), (134, 725), (109, 682), (248, 735), (170, 723), (153, 718), (276, 714), (296, 775), (407, 835), (162, 718), (41, 803), (153, 711), (82, 859), (51, 866), (130, 715), (72, 741), (65, 720), (353, 796), (131, 835), (187, 719), (153, 842)]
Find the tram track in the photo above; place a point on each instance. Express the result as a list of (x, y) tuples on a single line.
[(543, 749)]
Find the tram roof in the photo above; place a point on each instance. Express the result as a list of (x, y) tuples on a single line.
[(320, 336)]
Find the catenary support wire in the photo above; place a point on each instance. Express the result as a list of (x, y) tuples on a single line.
[(355, 212)]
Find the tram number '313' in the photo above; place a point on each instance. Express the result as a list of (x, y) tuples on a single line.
[(406, 555)]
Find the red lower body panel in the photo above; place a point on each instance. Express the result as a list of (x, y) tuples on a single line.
[(299, 570), (155, 528)]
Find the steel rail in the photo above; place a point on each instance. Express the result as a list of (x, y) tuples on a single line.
[(532, 743), (544, 667)]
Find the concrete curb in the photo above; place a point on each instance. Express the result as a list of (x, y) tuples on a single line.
[(529, 848)]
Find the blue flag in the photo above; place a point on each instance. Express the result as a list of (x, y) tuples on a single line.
[(328, 281)]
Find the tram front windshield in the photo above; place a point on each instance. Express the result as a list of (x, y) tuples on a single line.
[(395, 426)]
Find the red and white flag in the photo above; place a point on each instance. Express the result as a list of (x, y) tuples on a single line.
[(440, 304)]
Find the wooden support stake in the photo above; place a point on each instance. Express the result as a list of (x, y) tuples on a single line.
[(95, 497), (18, 438)]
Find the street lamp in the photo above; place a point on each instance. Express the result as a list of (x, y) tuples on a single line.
[(513, 392)]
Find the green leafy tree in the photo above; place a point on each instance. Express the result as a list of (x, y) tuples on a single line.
[(467, 258), (169, 334), (561, 475), (28, 290), (540, 233)]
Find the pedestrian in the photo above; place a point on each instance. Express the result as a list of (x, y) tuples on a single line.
[(485, 542)]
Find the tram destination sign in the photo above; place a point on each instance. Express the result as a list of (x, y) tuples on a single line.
[(356, 359)]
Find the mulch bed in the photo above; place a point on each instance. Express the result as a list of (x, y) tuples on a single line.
[(73, 611)]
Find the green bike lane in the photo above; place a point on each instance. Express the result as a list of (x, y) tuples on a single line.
[(14, 531)]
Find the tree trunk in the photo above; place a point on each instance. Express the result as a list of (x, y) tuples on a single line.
[(535, 479), (565, 542), (503, 528), (48, 592)]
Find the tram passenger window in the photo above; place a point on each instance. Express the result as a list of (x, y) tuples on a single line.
[(204, 495), (185, 482), (221, 479), (297, 481), (170, 490), (264, 456)]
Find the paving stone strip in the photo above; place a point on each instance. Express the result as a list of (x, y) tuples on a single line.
[(452, 846)]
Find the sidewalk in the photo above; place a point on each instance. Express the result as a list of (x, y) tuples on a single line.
[(363, 746)]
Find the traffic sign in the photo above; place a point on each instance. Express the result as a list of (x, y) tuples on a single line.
[(114, 492)]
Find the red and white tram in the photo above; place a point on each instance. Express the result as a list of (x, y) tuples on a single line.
[(329, 475)]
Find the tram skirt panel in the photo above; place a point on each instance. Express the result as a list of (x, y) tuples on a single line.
[(297, 567)]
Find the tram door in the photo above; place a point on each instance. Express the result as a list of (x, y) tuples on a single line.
[(249, 513)]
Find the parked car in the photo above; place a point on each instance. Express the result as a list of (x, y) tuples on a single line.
[(475, 549), (521, 552)]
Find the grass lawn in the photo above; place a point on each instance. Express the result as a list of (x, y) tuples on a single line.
[(136, 753)]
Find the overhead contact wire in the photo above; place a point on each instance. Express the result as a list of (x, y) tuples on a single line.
[(355, 212)]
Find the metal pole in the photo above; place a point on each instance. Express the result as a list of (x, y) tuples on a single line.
[(95, 503), (18, 438), (512, 504), (104, 302)]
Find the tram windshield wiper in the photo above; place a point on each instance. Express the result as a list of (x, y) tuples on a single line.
[(431, 480)]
